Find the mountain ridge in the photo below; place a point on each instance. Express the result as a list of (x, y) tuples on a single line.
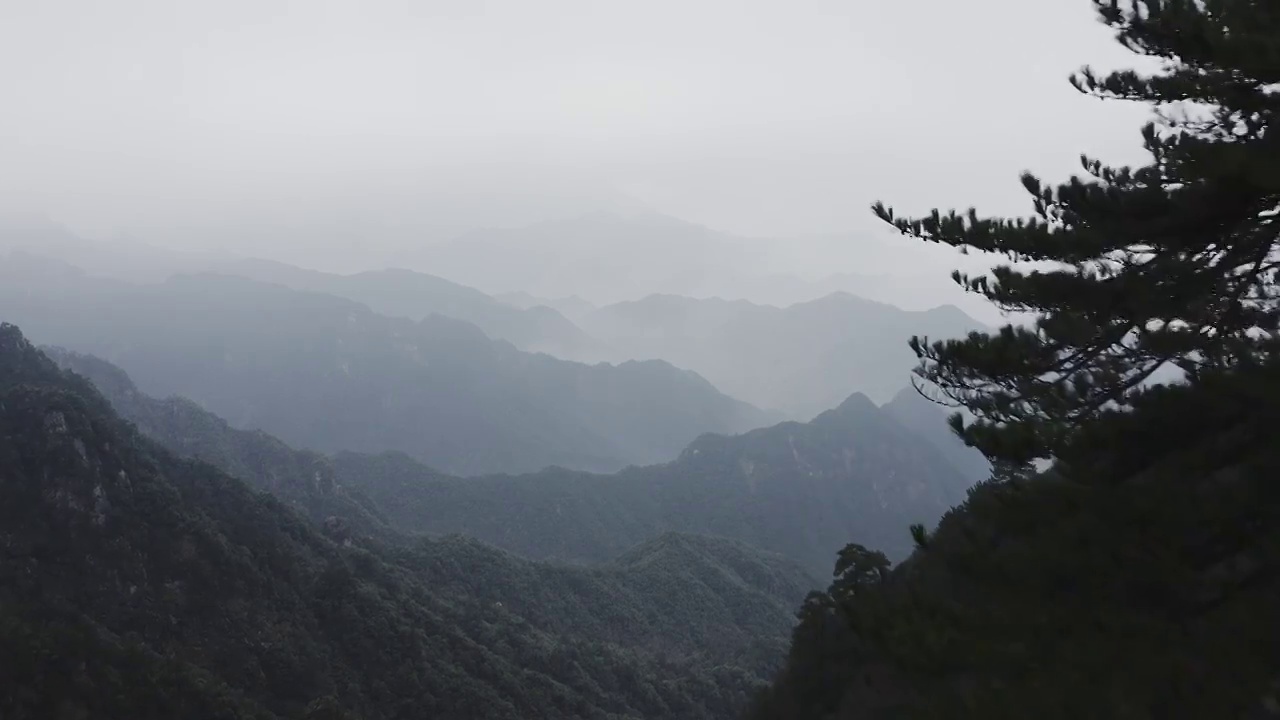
[(800, 359), (140, 584), (326, 373), (399, 292), (746, 487)]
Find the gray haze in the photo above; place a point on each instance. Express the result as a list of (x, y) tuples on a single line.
[(343, 135)]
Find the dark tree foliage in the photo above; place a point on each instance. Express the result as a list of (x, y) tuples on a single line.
[(1147, 593), (856, 568), (1138, 576), (1173, 264)]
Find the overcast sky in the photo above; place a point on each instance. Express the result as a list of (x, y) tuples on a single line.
[(161, 117)]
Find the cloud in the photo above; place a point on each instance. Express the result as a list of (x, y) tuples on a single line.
[(757, 117)]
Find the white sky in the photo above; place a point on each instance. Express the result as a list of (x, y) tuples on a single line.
[(165, 118)]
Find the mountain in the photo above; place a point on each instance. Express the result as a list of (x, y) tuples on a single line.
[(571, 306), (139, 584), (397, 293), (413, 295), (795, 489), (906, 285), (799, 359), (302, 479), (929, 420), (1137, 579), (328, 374), (611, 257)]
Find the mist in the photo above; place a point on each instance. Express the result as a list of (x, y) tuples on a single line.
[(339, 135)]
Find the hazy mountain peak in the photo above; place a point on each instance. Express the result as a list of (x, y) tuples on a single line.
[(951, 313), (857, 403), (11, 340), (845, 297)]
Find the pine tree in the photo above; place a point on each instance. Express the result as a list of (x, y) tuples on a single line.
[(1173, 264), (858, 567)]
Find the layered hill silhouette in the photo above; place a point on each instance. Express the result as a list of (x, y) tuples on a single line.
[(800, 359), (404, 293), (794, 489), (140, 584), (328, 374), (797, 489), (571, 306)]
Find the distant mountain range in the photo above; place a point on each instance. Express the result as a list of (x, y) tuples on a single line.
[(413, 295), (796, 359), (326, 373), (797, 489), (908, 288), (799, 359), (572, 307)]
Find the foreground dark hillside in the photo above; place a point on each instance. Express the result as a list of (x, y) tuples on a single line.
[(1140, 582), (798, 489), (137, 584), (325, 373), (1123, 562)]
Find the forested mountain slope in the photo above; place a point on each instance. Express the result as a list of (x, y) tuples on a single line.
[(800, 359), (798, 489), (1141, 583), (137, 584), (325, 373), (300, 478)]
